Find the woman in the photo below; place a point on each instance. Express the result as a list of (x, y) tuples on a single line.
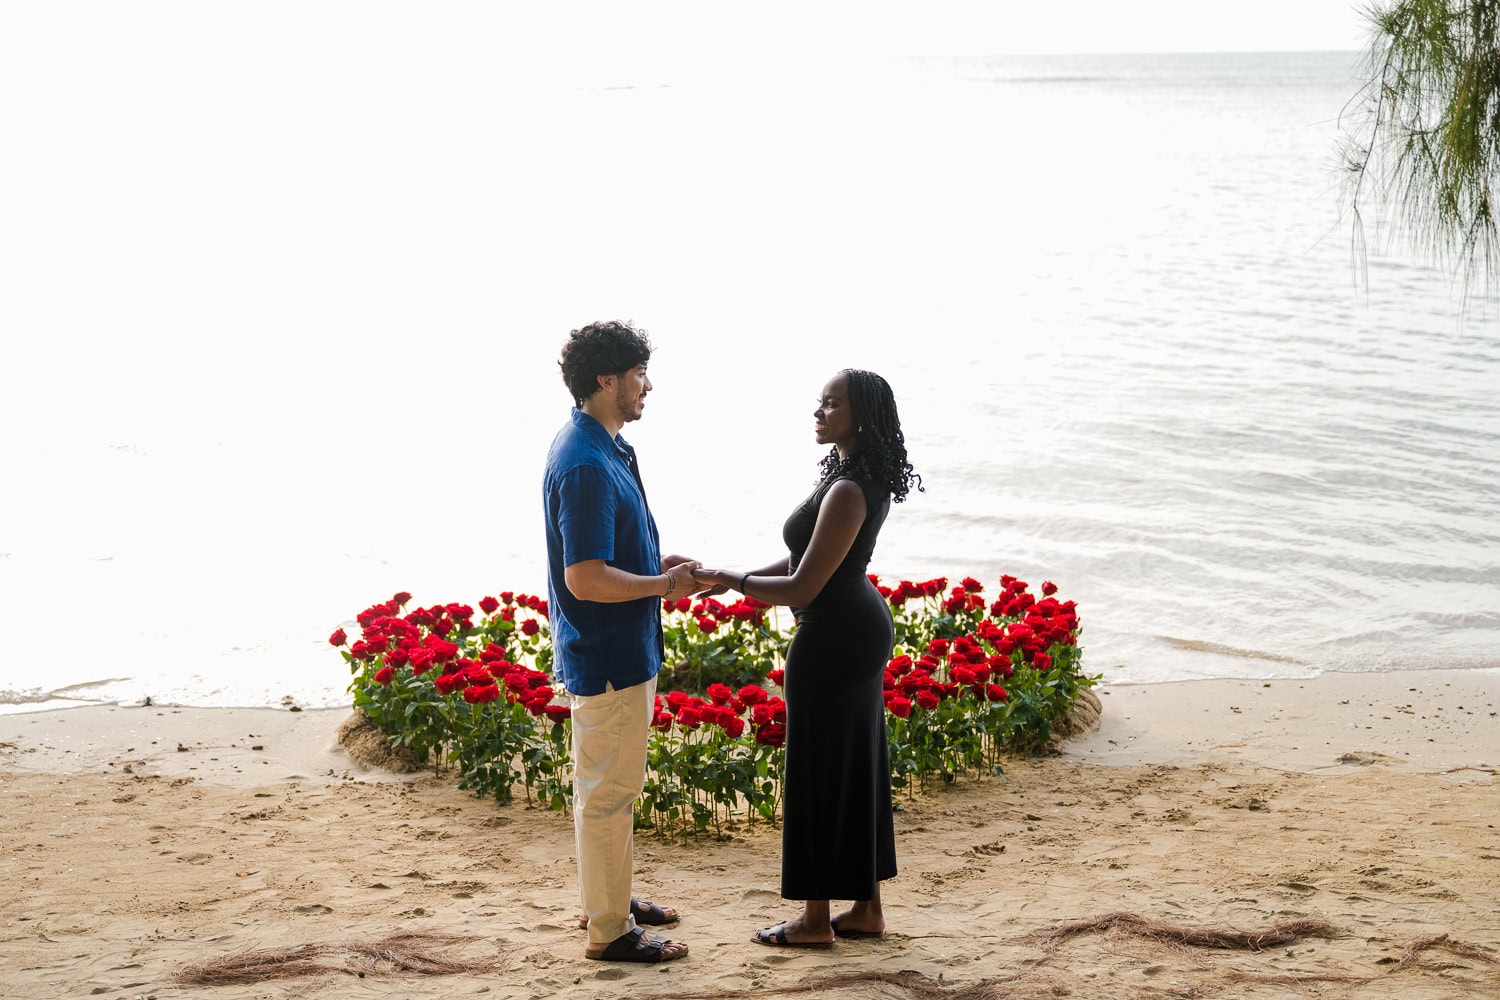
[(838, 841)]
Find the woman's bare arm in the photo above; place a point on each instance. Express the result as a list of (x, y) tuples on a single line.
[(839, 520)]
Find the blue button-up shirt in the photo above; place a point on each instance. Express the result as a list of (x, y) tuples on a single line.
[(596, 509)]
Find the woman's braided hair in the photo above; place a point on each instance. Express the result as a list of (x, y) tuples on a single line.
[(879, 454)]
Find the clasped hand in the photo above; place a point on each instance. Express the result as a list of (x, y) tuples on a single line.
[(705, 582), (712, 581)]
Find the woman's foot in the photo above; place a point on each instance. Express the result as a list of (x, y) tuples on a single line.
[(794, 933), (860, 920)]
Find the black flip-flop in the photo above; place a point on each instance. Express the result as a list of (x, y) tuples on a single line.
[(853, 935), (646, 913), (636, 946), (775, 937)]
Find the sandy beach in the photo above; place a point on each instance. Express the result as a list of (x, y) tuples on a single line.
[(1331, 837)]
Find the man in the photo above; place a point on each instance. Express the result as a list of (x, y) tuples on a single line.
[(606, 580)]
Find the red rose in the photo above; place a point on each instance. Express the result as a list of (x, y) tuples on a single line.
[(488, 605), (401, 598), (449, 683), (707, 625), (690, 717), (558, 713), (479, 694), (1048, 588), (996, 692), (683, 604), (772, 734), (754, 694), (927, 699), (734, 726), (972, 585), (777, 677), (719, 694), (422, 659), (338, 638), (899, 705), (384, 676), (938, 647), (441, 648), (530, 627), (963, 675), (662, 721), (1042, 661)]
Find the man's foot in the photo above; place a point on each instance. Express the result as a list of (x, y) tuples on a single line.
[(856, 923), (646, 913), (791, 934), (637, 946)]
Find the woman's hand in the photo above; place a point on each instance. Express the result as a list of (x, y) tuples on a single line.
[(715, 580)]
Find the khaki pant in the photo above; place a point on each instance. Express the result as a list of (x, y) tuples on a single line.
[(609, 770)]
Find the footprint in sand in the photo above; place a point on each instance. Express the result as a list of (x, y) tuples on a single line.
[(611, 973), (1366, 758)]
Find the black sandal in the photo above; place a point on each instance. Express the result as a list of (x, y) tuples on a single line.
[(646, 913), (637, 946), (775, 937)]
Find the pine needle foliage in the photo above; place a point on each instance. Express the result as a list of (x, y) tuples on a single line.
[(1424, 135)]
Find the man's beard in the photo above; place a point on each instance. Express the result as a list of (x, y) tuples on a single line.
[(627, 404)]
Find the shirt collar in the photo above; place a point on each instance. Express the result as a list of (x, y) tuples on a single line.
[(594, 427)]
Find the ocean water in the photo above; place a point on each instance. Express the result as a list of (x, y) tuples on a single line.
[(279, 345)]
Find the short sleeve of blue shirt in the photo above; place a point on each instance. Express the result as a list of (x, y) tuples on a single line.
[(586, 515)]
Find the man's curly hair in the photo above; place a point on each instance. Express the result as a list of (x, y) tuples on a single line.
[(606, 348), (879, 452)]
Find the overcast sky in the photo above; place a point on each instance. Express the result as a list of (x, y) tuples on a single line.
[(630, 31), (972, 26)]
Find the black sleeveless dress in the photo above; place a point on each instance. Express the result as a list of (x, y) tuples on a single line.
[(838, 839)]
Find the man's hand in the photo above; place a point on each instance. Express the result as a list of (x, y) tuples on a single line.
[(681, 575), (668, 563)]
